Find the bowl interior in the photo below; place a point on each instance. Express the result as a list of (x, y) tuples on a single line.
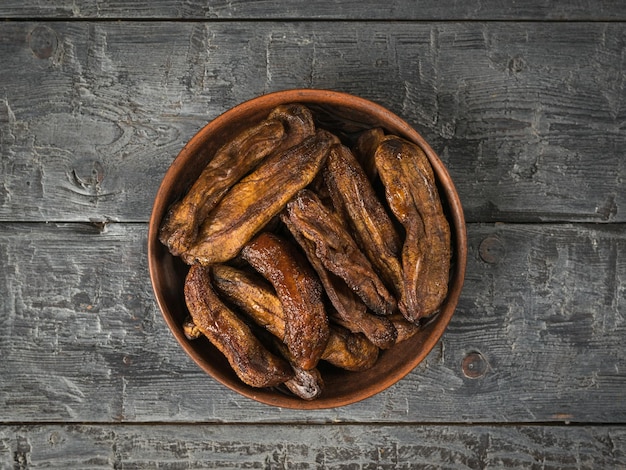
[(346, 115)]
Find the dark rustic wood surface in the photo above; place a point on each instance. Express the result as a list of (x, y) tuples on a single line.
[(557, 10), (524, 101), (305, 446), (528, 117)]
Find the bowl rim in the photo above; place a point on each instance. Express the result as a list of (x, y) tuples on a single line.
[(400, 127)]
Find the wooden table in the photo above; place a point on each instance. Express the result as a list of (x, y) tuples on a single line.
[(524, 101)]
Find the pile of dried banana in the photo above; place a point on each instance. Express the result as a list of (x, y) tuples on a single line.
[(295, 258)]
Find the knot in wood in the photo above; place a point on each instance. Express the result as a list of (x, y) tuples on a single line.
[(517, 64), (491, 249), (474, 365), (43, 41)]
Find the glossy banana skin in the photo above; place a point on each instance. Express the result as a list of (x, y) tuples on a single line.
[(250, 360), (355, 200), (412, 195), (252, 202), (338, 251), (257, 299), (300, 294), (284, 127)]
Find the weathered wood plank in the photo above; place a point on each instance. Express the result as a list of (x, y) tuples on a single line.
[(560, 10), (538, 335), (322, 447), (529, 117)]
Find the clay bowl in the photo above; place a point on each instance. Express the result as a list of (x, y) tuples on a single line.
[(345, 115)]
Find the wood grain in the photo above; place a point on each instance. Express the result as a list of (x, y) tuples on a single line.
[(321, 447), (560, 10), (528, 117), (538, 335), (525, 103)]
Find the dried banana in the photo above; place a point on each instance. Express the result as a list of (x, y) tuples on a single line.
[(285, 126), (250, 360), (299, 291), (252, 202), (349, 310), (338, 251), (257, 299), (412, 195), (364, 149), (354, 198)]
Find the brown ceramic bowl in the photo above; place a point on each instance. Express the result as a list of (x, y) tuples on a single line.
[(345, 115)]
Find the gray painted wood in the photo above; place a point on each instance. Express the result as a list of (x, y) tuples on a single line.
[(540, 328), (528, 117), (559, 10), (527, 112), (321, 447)]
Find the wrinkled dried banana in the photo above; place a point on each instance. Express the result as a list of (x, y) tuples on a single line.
[(354, 198), (285, 126), (252, 202), (299, 291), (250, 360), (365, 148), (257, 299), (412, 194), (338, 251), (349, 310)]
